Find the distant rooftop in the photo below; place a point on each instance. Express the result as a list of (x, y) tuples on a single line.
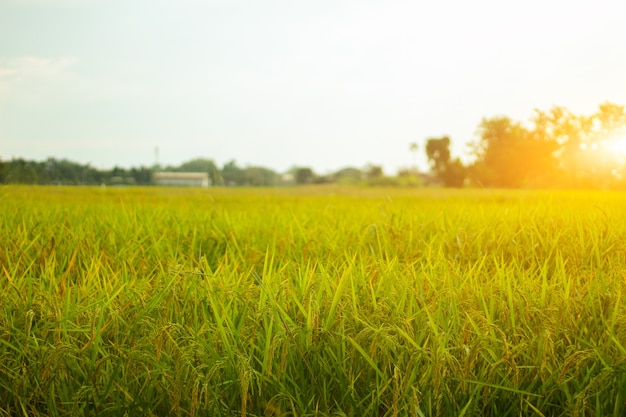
[(185, 179), (180, 175)]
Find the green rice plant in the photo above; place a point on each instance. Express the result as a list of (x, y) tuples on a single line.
[(312, 301)]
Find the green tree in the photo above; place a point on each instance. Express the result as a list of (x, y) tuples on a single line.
[(202, 165), (142, 175), (21, 171), (348, 175), (304, 175), (451, 173), (497, 163), (510, 155), (260, 176), (557, 148), (438, 153), (232, 174), (374, 171), (557, 136)]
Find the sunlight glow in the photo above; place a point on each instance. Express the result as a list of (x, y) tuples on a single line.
[(616, 145)]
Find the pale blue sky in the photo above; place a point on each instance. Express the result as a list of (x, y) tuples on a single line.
[(321, 83)]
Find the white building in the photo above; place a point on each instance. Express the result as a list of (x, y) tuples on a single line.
[(182, 179)]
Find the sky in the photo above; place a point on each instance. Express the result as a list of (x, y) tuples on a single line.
[(278, 83)]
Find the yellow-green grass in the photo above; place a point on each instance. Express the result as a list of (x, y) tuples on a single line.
[(311, 301)]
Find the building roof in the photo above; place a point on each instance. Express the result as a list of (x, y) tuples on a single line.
[(180, 175)]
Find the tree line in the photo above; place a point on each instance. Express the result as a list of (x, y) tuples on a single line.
[(553, 149), (65, 172)]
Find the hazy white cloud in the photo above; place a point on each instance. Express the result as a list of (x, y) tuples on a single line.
[(5, 76), (43, 80), (54, 69), (30, 78)]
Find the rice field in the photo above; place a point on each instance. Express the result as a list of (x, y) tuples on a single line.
[(313, 301)]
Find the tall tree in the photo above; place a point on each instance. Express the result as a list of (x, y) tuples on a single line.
[(451, 173), (508, 154), (560, 136), (438, 152)]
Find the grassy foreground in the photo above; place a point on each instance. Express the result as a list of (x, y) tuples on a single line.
[(311, 302)]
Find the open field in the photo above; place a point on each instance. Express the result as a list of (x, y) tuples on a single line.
[(312, 302)]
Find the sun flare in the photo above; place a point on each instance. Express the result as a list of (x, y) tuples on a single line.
[(616, 145)]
